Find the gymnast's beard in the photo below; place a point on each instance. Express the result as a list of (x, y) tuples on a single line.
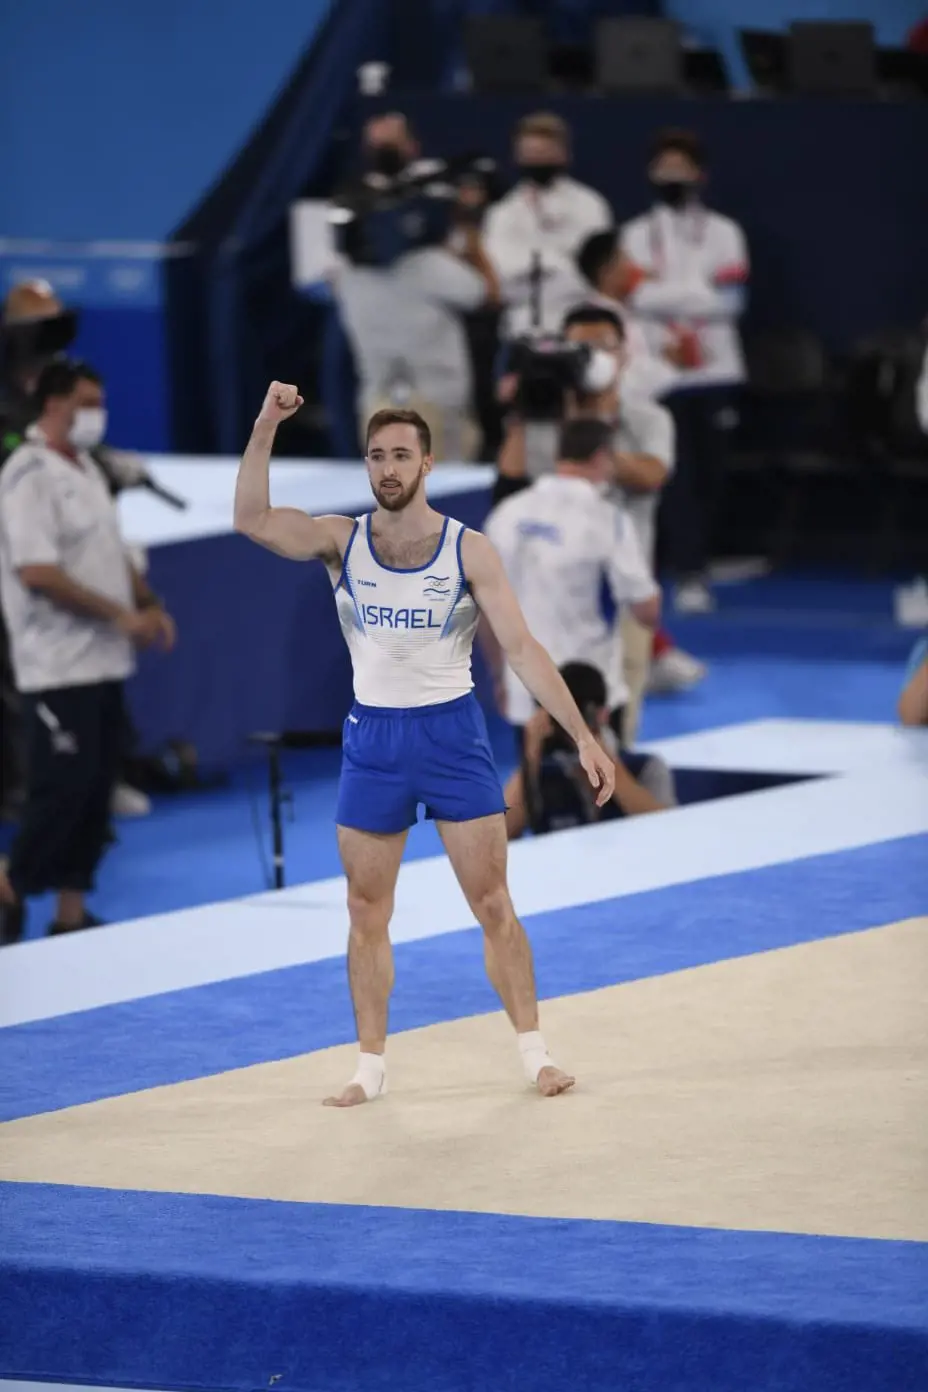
[(393, 497)]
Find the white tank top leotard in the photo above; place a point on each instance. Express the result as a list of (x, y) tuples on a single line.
[(409, 632)]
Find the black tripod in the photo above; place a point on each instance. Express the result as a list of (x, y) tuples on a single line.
[(278, 795)]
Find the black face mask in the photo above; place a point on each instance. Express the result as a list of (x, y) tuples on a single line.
[(543, 175), (388, 160), (675, 193)]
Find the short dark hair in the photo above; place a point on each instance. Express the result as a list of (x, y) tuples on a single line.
[(581, 440), (596, 253), (683, 142), (546, 124), (59, 378), (394, 415), (587, 686), (593, 314)]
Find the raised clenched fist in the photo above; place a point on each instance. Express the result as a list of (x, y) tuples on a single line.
[(282, 401)]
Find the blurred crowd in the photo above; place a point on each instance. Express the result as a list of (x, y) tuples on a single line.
[(599, 365), (489, 330)]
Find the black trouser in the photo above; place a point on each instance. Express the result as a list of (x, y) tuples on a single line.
[(75, 741), (12, 759), (704, 417)]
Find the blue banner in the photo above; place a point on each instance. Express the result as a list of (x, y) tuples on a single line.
[(91, 275)]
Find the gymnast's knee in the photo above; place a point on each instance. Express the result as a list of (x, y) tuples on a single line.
[(369, 914), (493, 910)]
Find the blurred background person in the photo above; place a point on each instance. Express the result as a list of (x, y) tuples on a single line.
[(402, 307), (35, 328), (545, 793), (693, 266), (612, 278), (539, 226), (643, 452), (75, 609), (560, 542), (913, 702)]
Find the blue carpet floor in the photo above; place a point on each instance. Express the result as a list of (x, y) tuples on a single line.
[(195, 1291), (198, 1291)]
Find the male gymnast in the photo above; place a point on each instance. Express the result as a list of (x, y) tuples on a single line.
[(409, 587)]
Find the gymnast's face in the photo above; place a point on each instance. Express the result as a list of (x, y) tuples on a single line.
[(396, 466)]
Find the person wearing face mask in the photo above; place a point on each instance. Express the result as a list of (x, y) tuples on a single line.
[(692, 266), (75, 610), (542, 223), (642, 438), (559, 540), (404, 321)]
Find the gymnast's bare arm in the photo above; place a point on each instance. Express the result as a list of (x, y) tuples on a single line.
[(288, 531)]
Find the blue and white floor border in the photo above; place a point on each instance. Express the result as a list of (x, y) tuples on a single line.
[(735, 1198)]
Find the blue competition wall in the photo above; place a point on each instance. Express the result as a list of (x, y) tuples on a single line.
[(118, 117), (122, 114)]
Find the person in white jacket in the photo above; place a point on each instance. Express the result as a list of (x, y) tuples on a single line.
[(543, 220), (692, 268)]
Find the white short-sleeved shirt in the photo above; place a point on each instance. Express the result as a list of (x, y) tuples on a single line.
[(54, 512), (559, 540), (643, 427), (407, 317), (697, 265), (552, 223)]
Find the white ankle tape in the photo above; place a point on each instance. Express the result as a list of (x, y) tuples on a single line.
[(371, 1075), (534, 1053)]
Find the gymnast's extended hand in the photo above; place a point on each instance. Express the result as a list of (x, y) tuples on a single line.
[(288, 531)]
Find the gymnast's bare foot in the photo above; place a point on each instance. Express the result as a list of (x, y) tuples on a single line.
[(552, 1081), (351, 1096)]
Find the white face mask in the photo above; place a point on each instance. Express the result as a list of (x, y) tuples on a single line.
[(89, 427)]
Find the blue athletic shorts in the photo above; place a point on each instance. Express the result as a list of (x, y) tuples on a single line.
[(393, 760)]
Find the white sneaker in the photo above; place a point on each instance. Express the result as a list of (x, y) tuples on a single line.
[(675, 670), (129, 802), (693, 597)]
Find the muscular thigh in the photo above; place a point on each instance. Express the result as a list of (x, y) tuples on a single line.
[(477, 851), (371, 862)]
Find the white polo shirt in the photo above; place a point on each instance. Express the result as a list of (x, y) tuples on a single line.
[(55, 512), (559, 540), (643, 427), (697, 265), (554, 223)]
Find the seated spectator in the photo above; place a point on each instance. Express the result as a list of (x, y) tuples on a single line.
[(913, 702), (694, 265), (560, 540), (544, 219), (548, 791)]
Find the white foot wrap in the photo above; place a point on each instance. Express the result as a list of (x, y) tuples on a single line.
[(371, 1076), (535, 1055)]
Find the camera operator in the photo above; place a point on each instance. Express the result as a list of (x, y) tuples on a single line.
[(540, 226), (75, 608), (413, 264), (547, 793), (560, 540), (641, 436)]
